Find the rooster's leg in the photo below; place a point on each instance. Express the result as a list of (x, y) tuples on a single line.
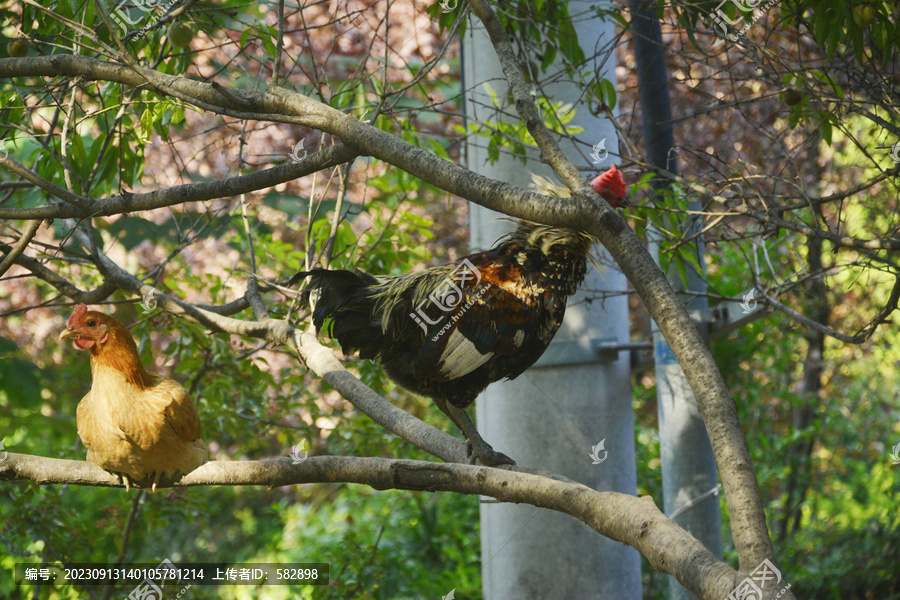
[(477, 447)]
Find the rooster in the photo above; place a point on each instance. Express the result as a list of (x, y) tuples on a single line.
[(448, 332), (133, 423)]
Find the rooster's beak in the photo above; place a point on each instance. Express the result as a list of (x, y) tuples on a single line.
[(67, 333)]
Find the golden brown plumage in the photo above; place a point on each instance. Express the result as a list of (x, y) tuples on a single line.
[(134, 423)]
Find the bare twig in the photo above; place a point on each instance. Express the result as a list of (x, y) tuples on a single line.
[(28, 234)]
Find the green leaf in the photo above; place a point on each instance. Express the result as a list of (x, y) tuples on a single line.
[(548, 58), (826, 130), (568, 42), (608, 93)]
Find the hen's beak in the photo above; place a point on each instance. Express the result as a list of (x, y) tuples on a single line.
[(67, 333)]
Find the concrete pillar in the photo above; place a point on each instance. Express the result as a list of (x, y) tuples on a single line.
[(553, 415), (689, 473)]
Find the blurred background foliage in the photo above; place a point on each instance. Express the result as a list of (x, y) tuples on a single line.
[(806, 100)]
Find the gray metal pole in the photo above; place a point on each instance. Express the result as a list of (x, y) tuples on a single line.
[(552, 416), (689, 471)]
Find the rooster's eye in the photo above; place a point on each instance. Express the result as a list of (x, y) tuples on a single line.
[(91, 323)]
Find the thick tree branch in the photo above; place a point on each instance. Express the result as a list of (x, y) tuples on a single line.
[(633, 521), (192, 192)]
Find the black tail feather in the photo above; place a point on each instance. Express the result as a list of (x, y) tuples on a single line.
[(345, 297)]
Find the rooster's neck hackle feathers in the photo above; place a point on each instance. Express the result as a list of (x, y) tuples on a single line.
[(554, 242), (548, 187), (610, 185), (563, 251)]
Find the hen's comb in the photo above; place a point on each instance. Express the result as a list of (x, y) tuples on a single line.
[(80, 310), (613, 181)]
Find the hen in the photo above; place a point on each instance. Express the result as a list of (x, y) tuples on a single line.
[(448, 332), (134, 423)]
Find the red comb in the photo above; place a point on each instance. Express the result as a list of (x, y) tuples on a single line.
[(611, 181), (80, 310)]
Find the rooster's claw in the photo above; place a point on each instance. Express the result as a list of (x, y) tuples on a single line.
[(487, 455)]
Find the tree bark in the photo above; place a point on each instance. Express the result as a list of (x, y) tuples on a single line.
[(633, 521)]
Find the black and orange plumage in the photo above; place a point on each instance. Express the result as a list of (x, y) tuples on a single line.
[(449, 331)]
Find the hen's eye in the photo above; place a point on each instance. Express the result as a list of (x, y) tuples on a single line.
[(91, 323)]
